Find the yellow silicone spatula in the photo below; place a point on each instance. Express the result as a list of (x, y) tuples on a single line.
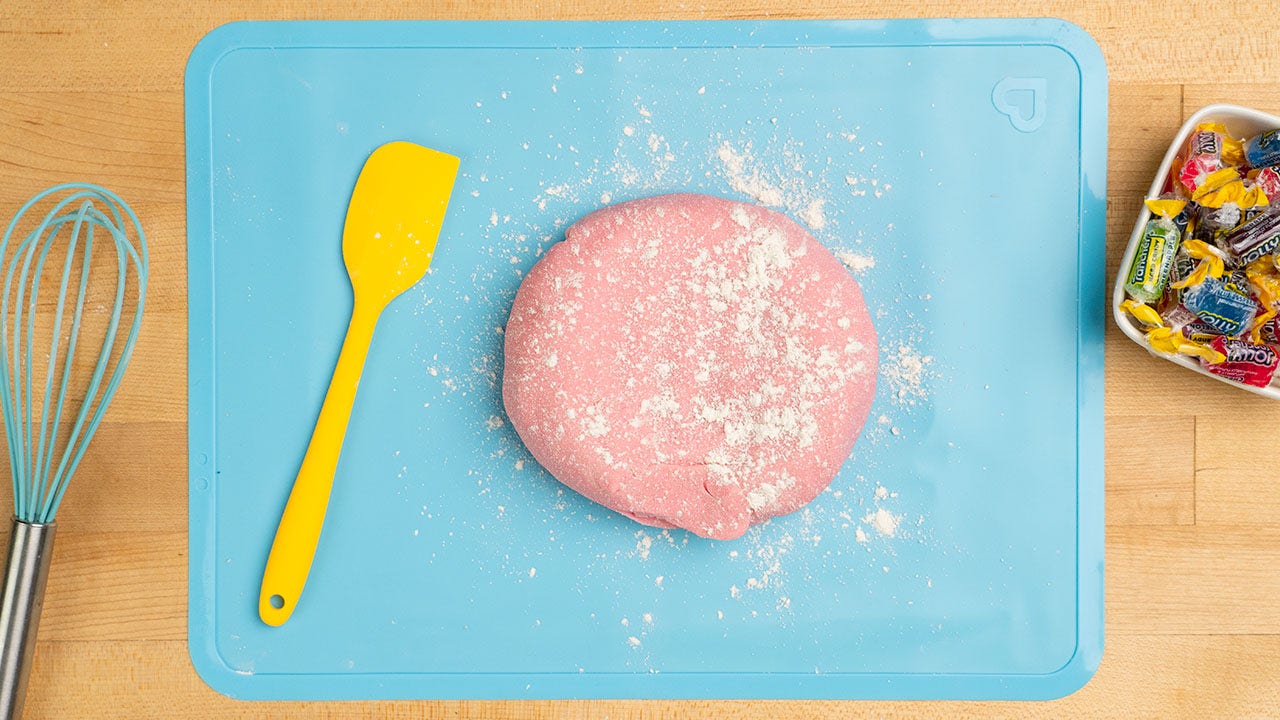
[(390, 235)]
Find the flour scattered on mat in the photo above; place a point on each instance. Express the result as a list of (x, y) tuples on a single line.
[(813, 216), (883, 522), (856, 263), (789, 185), (748, 181), (643, 544), (859, 529), (908, 372)]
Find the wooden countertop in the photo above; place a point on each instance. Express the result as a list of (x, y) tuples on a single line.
[(1193, 485)]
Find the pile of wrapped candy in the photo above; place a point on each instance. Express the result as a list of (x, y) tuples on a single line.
[(1205, 279)]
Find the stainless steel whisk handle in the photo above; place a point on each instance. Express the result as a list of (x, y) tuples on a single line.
[(30, 549)]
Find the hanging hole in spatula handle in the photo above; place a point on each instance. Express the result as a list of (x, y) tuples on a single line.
[(273, 608)]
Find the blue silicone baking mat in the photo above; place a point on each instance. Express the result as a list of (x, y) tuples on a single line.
[(957, 168)]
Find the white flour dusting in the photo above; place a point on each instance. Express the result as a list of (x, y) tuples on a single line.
[(883, 522), (908, 373), (748, 181), (789, 185), (813, 215), (766, 495), (858, 264), (644, 544)]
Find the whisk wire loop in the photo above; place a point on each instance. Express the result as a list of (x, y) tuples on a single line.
[(79, 216)]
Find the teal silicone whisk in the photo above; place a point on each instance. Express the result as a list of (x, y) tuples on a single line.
[(67, 329)]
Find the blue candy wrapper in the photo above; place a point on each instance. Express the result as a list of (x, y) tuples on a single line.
[(1263, 150), (1219, 306)]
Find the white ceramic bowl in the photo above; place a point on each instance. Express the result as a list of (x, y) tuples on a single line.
[(1242, 123)]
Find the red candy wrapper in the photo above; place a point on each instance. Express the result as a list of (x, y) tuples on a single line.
[(1268, 179), (1271, 331), (1246, 362), (1203, 155), (1196, 169)]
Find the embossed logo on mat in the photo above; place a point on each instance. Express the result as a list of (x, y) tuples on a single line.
[(1023, 99)]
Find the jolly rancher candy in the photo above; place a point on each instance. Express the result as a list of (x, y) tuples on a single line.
[(1149, 272), (1219, 306), (1246, 362), (1226, 187), (1210, 148), (1204, 157), (1268, 179), (1269, 332), (1195, 261), (1263, 149), (1255, 238), (1172, 342), (1199, 332)]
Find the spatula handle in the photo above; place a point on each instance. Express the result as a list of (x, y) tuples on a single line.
[(30, 550), (296, 538)]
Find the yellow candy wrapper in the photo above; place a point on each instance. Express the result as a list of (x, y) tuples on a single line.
[(1172, 342), (1265, 278), (1226, 186), (1165, 207), (1253, 197), (1211, 264), (1255, 332), (1218, 188), (1144, 313), (1232, 149)]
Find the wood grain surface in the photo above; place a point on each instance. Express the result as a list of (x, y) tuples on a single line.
[(94, 92)]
